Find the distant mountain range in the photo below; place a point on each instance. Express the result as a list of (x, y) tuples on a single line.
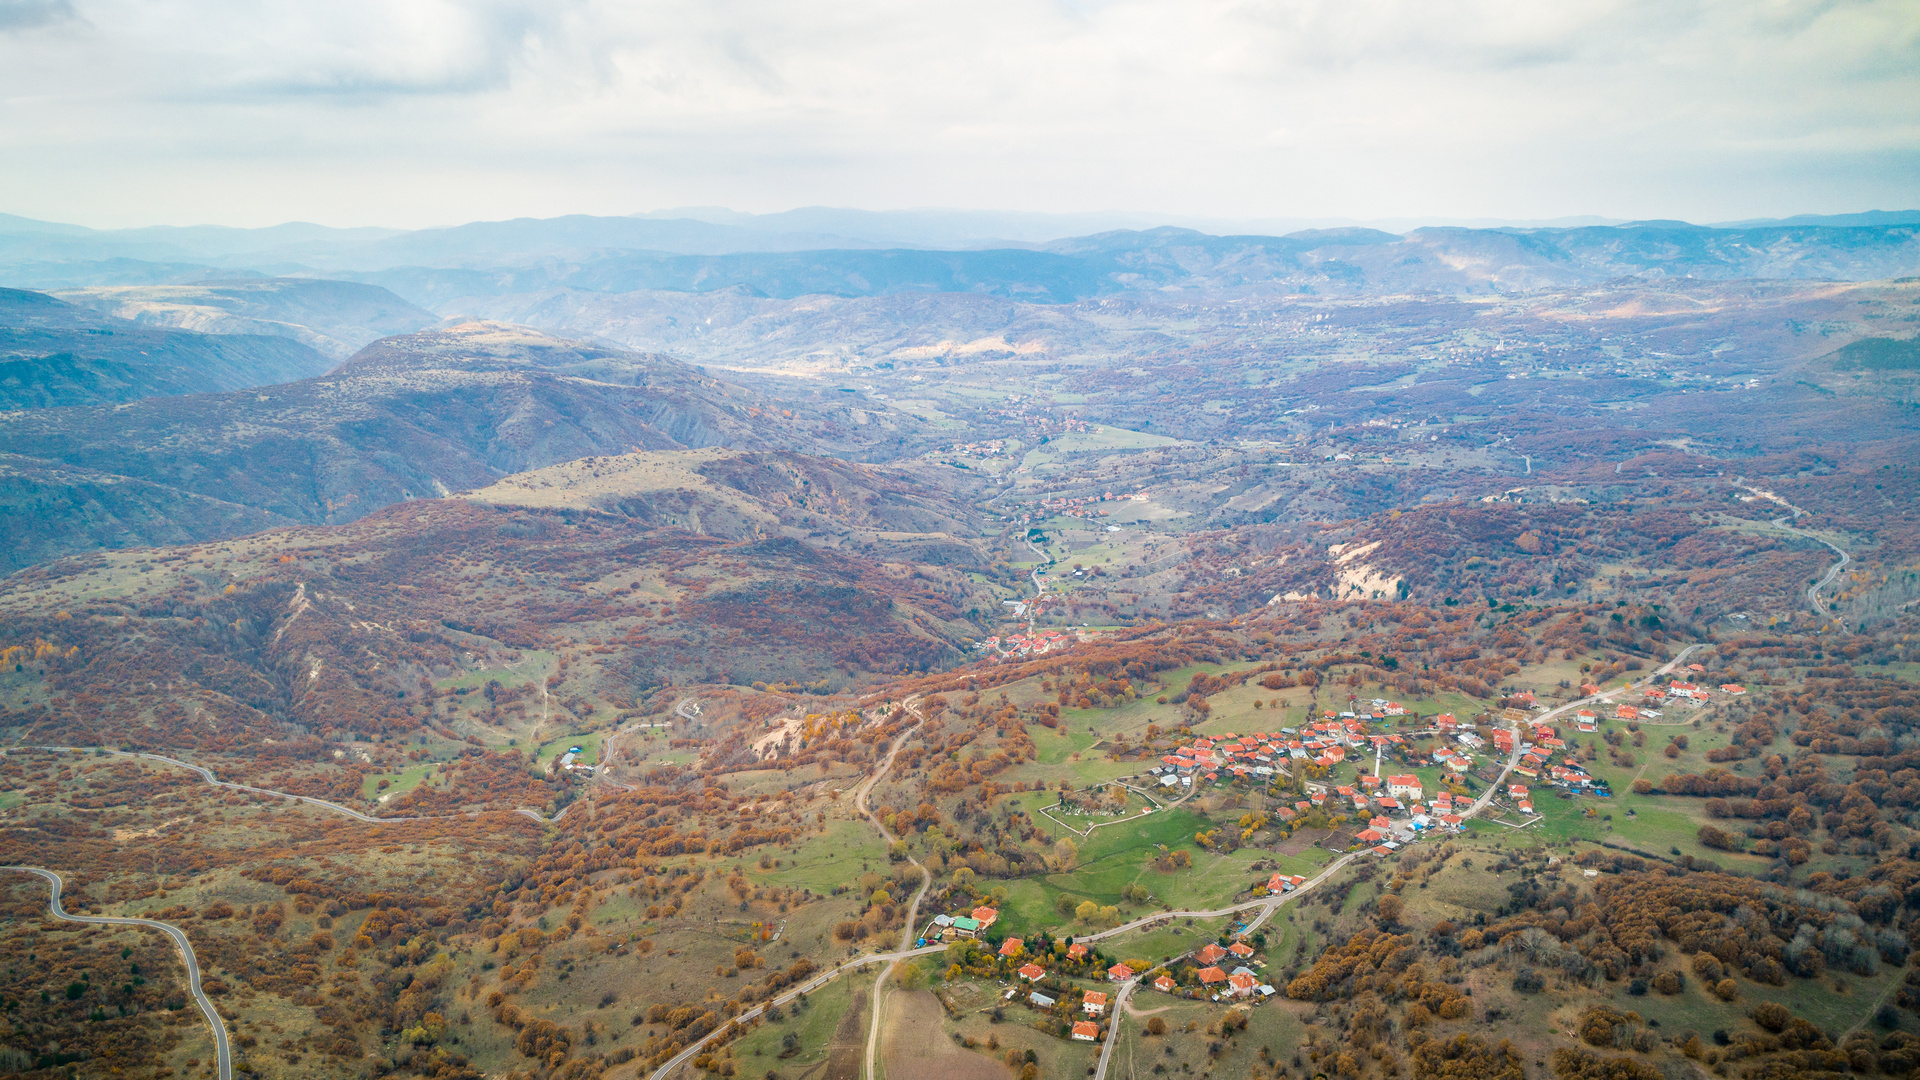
[(862, 253)]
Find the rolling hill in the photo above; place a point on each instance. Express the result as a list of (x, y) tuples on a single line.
[(407, 418), (53, 353), (335, 318)]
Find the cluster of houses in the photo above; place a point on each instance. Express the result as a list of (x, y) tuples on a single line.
[(1084, 506), (1215, 979), (1522, 798), (1257, 756), (1033, 644), (970, 925), (1686, 693), (1538, 757), (969, 449), (1093, 1002)]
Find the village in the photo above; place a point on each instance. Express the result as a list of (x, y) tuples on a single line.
[(1032, 643), (1056, 980)]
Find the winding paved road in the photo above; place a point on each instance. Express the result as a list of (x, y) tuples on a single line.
[(221, 1050), (1813, 590)]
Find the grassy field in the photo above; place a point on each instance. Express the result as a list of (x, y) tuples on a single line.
[(1159, 943), (531, 667), (812, 1024), (587, 741), (1057, 1057), (821, 861), (1121, 855), (398, 784), (1139, 1056)]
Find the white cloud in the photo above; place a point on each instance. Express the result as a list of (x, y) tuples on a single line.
[(441, 110)]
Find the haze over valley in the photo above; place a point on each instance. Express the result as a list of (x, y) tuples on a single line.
[(1433, 595)]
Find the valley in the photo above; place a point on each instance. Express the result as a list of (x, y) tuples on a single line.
[(1495, 669)]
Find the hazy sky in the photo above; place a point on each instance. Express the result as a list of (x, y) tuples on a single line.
[(390, 112)]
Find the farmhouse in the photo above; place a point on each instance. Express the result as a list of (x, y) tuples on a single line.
[(1086, 1030)]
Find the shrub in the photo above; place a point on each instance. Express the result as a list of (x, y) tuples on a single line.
[(1718, 839), (1771, 1015)]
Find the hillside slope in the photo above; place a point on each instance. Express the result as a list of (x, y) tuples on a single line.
[(331, 631), (335, 318), (740, 495), (53, 353), (408, 418)]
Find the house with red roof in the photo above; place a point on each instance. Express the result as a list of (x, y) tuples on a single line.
[(1732, 689), (1095, 1002), (1033, 972), (1626, 712), (1085, 1031), (1076, 951), (1119, 973), (1240, 949), (1240, 985), (1404, 786), (1211, 976), (1211, 954), (1011, 947), (1164, 984), (985, 916)]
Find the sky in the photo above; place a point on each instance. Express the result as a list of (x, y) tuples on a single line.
[(411, 113)]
